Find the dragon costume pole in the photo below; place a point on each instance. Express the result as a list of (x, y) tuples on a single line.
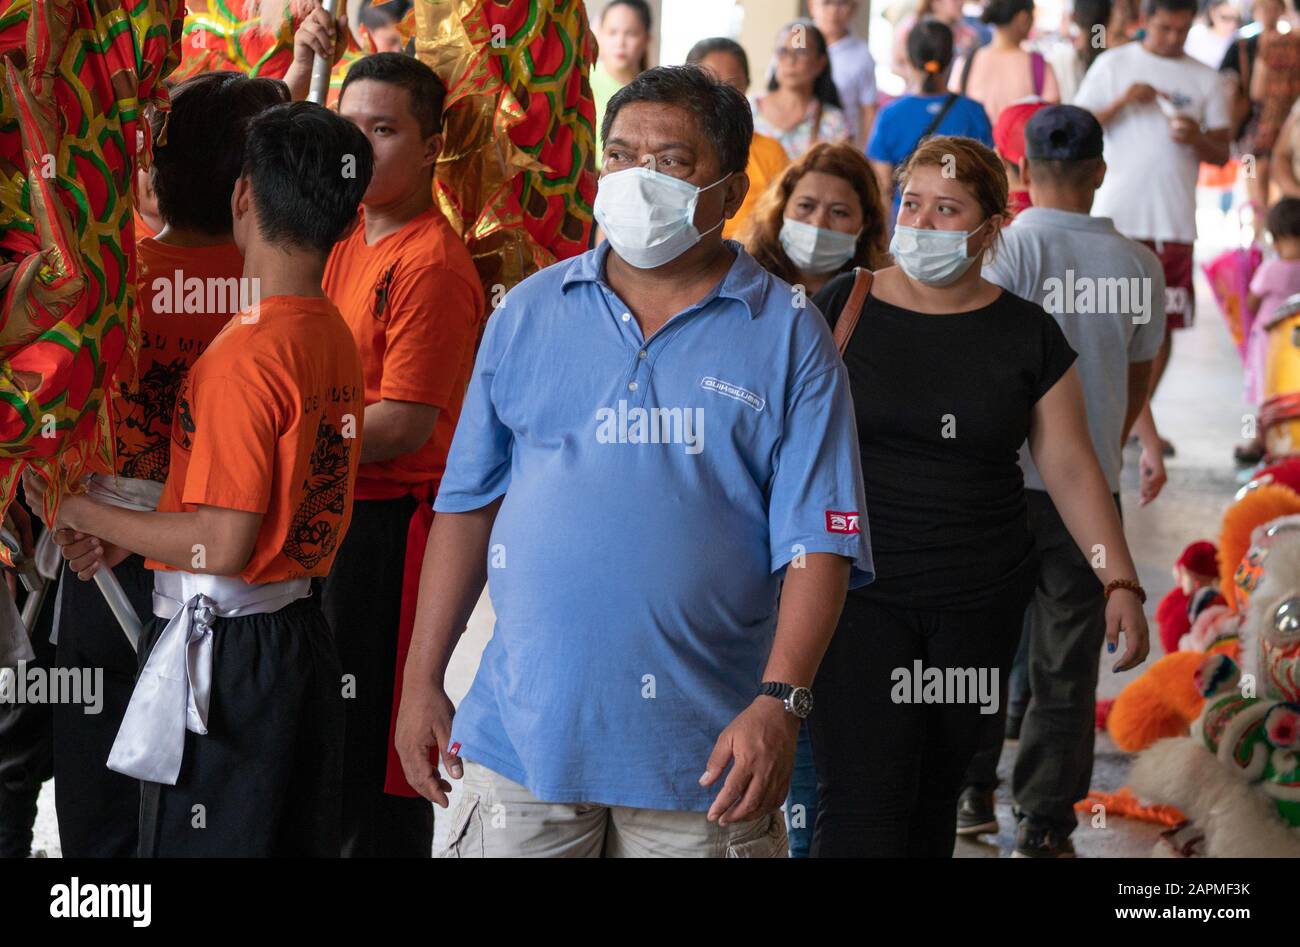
[(320, 66)]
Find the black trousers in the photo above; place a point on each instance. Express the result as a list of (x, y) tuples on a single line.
[(362, 598), (888, 772), (26, 749), (1067, 629), (1064, 628), (98, 809), (265, 780)]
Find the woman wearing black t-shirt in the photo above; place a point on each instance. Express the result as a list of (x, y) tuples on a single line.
[(950, 375)]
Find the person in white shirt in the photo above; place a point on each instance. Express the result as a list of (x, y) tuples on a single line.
[(852, 66), (1163, 113), (1209, 39)]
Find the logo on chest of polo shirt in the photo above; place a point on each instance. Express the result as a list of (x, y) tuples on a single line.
[(838, 521), (743, 395)]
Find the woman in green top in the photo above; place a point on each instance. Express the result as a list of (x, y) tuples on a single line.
[(623, 35)]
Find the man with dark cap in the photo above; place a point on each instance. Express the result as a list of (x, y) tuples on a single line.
[(1107, 293)]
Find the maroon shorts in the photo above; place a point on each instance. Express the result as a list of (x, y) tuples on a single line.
[(1180, 298)]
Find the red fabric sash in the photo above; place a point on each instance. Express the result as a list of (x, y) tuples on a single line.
[(417, 536)]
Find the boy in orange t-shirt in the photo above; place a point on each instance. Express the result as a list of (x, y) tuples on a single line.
[(238, 714), (405, 284), (189, 285)]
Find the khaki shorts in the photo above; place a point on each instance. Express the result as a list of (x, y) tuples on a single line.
[(498, 818)]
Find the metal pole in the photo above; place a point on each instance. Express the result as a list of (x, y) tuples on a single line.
[(119, 605), (321, 65)]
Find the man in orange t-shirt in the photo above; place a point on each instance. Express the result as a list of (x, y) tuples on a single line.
[(237, 713), (406, 286), (189, 285)]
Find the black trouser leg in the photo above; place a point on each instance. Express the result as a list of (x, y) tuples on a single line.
[(98, 809), (26, 750), (1068, 626), (983, 770), (362, 599), (889, 771)]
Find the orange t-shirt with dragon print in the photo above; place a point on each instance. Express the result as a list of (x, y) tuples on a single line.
[(186, 295), (269, 421)]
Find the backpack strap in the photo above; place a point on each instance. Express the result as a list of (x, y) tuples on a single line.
[(849, 315), (1038, 71), (935, 122), (965, 70)]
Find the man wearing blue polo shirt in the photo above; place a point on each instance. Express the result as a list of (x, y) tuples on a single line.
[(657, 437)]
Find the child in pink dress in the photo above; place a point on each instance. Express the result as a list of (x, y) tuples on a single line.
[(1275, 281)]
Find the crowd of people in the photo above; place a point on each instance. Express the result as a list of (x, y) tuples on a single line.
[(758, 589)]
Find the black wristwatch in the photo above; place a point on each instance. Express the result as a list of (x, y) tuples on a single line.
[(797, 700)]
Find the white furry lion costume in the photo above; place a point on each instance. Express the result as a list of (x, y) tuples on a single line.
[(1237, 776)]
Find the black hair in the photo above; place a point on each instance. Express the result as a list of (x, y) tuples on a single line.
[(642, 10), (199, 146), (424, 89), (308, 168), (930, 40), (723, 113), (1284, 218), (718, 44), (1002, 12), (1151, 7), (1088, 15), (384, 15), (1073, 174), (824, 85)]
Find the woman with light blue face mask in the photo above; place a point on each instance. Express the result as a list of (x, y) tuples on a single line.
[(823, 216), (950, 376)]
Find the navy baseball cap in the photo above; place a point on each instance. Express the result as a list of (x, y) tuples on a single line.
[(1063, 133)]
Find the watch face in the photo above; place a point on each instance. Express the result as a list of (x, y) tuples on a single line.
[(801, 702)]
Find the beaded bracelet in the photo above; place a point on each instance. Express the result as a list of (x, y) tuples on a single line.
[(1130, 584)]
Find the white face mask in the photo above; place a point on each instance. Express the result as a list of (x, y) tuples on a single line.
[(649, 217), (933, 257), (816, 249)]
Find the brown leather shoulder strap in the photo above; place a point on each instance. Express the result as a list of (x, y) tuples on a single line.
[(848, 320)]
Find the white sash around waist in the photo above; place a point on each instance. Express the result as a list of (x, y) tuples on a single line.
[(171, 694)]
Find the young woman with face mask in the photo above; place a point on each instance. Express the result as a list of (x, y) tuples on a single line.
[(823, 216), (950, 376)]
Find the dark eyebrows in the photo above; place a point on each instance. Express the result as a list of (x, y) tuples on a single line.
[(662, 146), (939, 197)]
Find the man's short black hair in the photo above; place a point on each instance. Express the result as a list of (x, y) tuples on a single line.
[(1072, 174), (1150, 7), (309, 169), (723, 113), (1284, 218), (199, 146), (423, 87)]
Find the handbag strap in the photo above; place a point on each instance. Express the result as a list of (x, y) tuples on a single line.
[(1037, 71), (852, 311)]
